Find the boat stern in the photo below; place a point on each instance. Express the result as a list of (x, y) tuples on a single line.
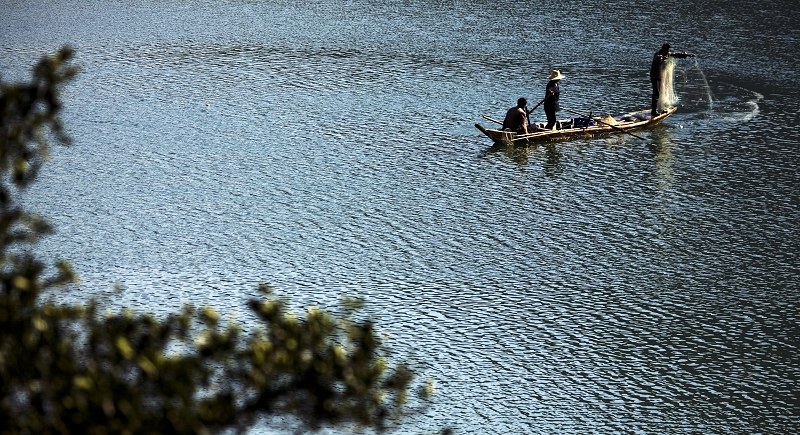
[(497, 136)]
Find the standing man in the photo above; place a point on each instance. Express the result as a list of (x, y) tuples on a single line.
[(551, 95), (517, 118), (656, 72)]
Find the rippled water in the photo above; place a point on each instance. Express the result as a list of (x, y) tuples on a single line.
[(606, 285)]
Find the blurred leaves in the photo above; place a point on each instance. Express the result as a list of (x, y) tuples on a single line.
[(70, 369)]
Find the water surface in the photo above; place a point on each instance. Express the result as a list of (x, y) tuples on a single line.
[(604, 285)]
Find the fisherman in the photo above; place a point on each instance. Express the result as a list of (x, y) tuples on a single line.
[(517, 118), (551, 95), (657, 71)]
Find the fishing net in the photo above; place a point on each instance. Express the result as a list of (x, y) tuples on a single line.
[(667, 97)]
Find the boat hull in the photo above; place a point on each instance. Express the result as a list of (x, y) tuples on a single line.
[(617, 124)]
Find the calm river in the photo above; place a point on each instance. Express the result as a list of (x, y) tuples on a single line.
[(613, 285)]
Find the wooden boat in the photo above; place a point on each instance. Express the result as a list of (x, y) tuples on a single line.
[(580, 127)]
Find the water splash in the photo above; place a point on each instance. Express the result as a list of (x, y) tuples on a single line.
[(750, 103), (722, 100), (705, 82)]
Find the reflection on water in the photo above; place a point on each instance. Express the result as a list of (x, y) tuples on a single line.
[(661, 145), (520, 154), (544, 154), (552, 166)]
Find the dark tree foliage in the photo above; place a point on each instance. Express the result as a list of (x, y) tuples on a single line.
[(68, 369)]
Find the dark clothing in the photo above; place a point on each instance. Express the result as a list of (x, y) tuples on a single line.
[(656, 94), (657, 65), (551, 105), (659, 59), (515, 120), (658, 62)]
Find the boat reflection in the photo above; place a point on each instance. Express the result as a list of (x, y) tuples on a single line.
[(552, 166), (521, 154), (661, 147)]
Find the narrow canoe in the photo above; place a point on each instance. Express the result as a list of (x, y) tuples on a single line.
[(578, 127)]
